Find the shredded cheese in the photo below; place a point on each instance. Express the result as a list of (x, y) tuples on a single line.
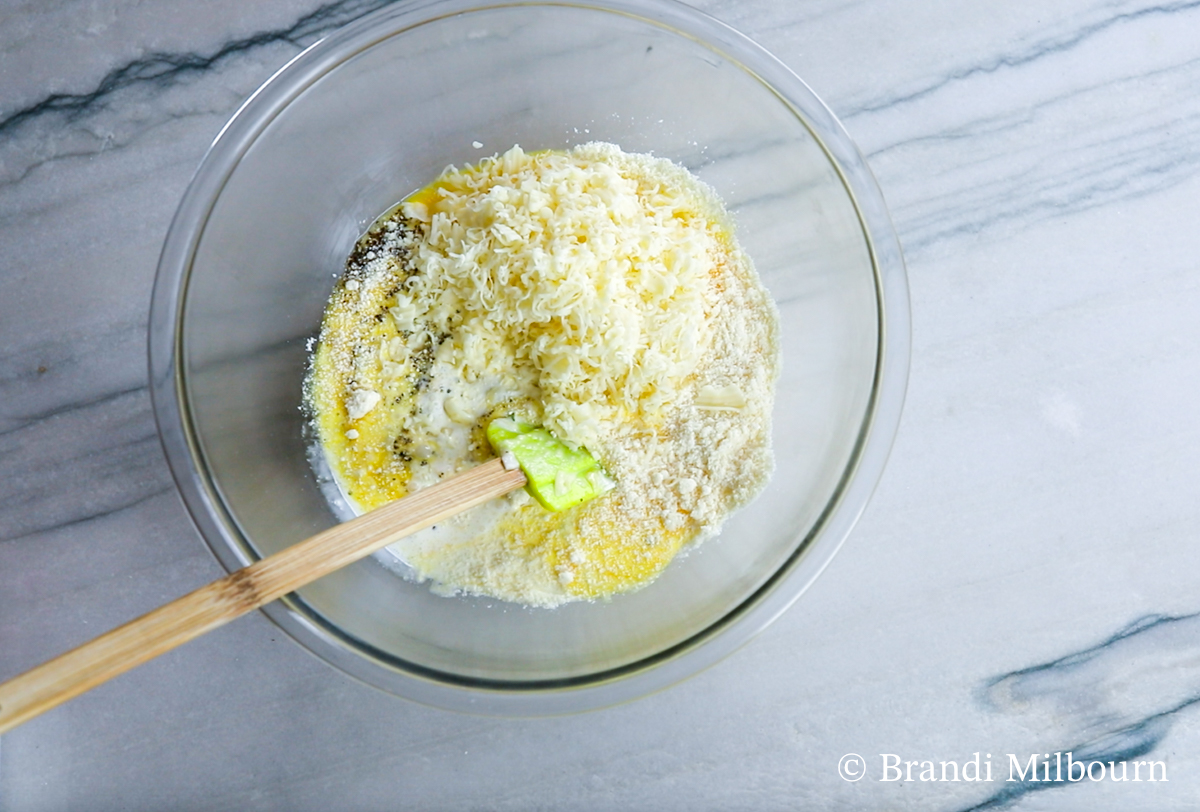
[(589, 263)]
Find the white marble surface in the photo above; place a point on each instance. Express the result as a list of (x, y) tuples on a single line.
[(1023, 581)]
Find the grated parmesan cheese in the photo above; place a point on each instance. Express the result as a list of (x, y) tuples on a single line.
[(583, 266), (360, 402)]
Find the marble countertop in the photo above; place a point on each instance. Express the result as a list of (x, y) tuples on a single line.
[(1023, 582)]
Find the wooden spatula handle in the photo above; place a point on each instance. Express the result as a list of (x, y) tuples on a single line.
[(161, 630)]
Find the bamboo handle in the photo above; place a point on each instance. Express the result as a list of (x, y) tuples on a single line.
[(161, 630)]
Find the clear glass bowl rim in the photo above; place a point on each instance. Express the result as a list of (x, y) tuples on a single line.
[(658, 671)]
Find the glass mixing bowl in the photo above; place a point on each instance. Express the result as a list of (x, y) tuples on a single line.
[(376, 110)]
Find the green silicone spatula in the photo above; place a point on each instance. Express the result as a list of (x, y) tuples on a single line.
[(557, 476)]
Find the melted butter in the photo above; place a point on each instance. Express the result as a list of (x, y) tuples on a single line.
[(368, 468)]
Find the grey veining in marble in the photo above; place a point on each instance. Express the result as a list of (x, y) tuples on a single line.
[(1023, 582), (1118, 701)]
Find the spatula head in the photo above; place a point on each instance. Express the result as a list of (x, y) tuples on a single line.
[(559, 477)]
